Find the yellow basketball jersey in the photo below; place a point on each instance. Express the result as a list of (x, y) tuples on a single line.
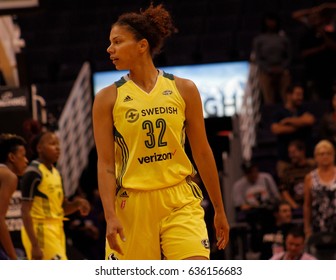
[(149, 131), (44, 187)]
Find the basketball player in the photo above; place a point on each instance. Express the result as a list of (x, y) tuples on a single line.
[(152, 207), (43, 203), (13, 162)]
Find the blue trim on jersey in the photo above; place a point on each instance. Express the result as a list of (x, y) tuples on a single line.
[(168, 76), (125, 155), (120, 82)]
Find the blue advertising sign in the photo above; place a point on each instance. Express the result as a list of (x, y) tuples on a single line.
[(221, 85)]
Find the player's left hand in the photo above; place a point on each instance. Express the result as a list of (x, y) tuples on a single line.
[(222, 230)]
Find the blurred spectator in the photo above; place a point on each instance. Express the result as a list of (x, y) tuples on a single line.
[(292, 182), (322, 245), (318, 48), (295, 245), (275, 233), (254, 196), (255, 189), (320, 192), (272, 52), (327, 126), (308, 16), (291, 122)]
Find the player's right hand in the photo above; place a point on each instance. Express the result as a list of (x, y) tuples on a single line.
[(37, 253), (113, 229)]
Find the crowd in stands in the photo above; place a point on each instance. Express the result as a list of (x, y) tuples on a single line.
[(304, 197), (285, 209)]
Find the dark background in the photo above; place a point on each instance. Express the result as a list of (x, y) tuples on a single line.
[(61, 35)]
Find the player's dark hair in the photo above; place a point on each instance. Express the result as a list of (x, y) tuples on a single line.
[(292, 86), (35, 141), (9, 144), (299, 144), (278, 205), (153, 24), (296, 231)]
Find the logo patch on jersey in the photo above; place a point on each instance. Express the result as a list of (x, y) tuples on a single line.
[(167, 92), (56, 257), (112, 257), (123, 203), (156, 157), (168, 110), (206, 243), (128, 98), (124, 194), (132, 115)]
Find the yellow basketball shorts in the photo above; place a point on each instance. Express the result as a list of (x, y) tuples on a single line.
[(161, 224), (51, 239)]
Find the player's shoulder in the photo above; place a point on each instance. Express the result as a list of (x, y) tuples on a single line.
[(308, 178), (184, 82), (186, 87), (34, 169), (106, 96), (106, 91), (8, 174)]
